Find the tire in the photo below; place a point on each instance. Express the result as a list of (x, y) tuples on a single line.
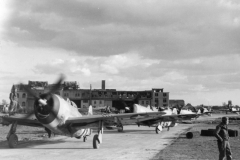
[(120, 129), (232, 133), (192, 134), (13, 141), (96, 143), (204, 133), (211, 132), (189, 135)]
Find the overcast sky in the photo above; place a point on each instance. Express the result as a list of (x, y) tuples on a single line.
[(190, 47)]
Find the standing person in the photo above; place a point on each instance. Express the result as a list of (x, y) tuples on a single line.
[(223, 137), (13, 101)]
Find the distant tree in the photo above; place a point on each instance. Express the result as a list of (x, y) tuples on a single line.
[(224, 103), (4, 102)]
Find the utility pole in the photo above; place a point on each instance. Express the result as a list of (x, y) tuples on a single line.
[(90, 95)]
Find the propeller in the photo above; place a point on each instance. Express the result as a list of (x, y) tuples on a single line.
[(44, 99)]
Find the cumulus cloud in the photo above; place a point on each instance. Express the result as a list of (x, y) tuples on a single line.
[(186, 47), (155, 29), (62, 66)]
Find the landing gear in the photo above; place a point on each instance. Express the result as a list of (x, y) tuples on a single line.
[(158, 129), (96, 142), (119, 125), (97, 139), (12, 137), (120, 128), (84, 139), (88, 133), (49, 132)]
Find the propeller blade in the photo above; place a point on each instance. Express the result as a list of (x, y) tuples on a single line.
[(57, 85), (29, 91)]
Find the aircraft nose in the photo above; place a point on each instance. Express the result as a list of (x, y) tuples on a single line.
[(47, 111)]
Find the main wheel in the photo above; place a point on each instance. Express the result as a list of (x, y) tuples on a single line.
[(13, 141), (96, 143), (120, 129)]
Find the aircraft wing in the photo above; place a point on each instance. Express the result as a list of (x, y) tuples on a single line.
[(174, 117), (6, 120), (106, 117), (141, 117)]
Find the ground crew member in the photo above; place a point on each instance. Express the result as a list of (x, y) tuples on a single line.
[(223, 137)]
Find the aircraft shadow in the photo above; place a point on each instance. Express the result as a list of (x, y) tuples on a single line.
[(129, 131), (31, 143)]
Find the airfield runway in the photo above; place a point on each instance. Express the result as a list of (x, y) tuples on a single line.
[(138, 143)]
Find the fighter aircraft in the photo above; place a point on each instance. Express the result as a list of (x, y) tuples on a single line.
[(230, 109), (202, 111), (169, 119), (58, 116)]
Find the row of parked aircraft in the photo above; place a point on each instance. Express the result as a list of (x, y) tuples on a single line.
[(58, 116)]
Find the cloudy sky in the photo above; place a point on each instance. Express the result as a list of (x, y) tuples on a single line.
[(190, 48)]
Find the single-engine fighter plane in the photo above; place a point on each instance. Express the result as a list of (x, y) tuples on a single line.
[(58, 116), (202, 111), (230, 109), (167, 120)]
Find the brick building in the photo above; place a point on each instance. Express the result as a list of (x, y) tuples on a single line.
[(96, 97)]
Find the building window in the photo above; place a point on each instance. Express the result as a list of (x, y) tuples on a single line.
[(95, 102), (143, 102), (164, 100), (17, 95), (23, 103), (156, 94), (85, 101), (100, 102), (24, 95), (164, 94), (76, 95), (147, 102)]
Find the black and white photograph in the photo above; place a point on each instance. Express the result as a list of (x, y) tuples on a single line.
[(119, 80)]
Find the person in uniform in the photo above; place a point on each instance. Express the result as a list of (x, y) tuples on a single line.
[(223, 140)]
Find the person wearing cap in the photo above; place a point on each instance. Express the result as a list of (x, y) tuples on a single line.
[(223, 139)]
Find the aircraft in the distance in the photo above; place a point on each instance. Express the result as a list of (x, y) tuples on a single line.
[(58, 116), (230, 109), (169, 119), (202, 111)]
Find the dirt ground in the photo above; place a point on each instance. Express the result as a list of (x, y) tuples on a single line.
[(199, 148), (181, 148)]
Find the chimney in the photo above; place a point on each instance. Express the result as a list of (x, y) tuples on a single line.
[(103, 84)]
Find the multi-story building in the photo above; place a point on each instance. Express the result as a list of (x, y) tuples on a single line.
[(96, 97)]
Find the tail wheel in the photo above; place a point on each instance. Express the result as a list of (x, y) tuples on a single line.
[(96, 143), (13, 141)]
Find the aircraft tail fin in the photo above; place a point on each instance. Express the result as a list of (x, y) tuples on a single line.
[(90, 110), (199, 111), (174, 111)]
